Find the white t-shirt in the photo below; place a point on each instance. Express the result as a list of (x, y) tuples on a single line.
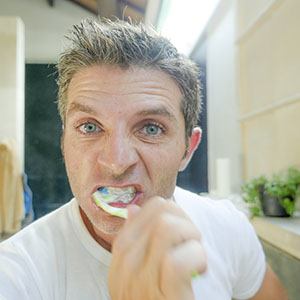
[(56, 257)]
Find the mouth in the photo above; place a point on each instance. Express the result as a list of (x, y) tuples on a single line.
[(114, 200)]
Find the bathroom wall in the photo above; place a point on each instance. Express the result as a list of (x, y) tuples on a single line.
[(12, 65), (269, 64), (45, 26)]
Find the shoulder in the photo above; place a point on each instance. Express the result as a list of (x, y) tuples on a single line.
[(30, 255), (228, 236), (216, 212), (219, 222), (38, 238)]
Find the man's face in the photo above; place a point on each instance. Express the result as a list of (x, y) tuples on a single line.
[(123, 128)]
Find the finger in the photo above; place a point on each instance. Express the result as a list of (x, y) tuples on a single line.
[(178, 265), (152, 211), (130, 243), (170, 233), (152, 229), (170, 230), (135, 238), (139, 224)]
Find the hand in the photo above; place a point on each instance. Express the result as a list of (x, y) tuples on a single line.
[(155, 254)]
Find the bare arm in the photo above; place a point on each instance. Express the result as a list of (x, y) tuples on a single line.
[(271, 288)]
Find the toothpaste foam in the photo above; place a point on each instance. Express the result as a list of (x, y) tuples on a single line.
[(105, 196)]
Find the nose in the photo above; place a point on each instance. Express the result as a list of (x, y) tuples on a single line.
[(117, 154)]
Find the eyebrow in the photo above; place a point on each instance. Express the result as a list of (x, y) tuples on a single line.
[(160, 111), (75, 107)]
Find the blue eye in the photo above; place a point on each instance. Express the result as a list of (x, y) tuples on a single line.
[(89, 128), (152, 129)]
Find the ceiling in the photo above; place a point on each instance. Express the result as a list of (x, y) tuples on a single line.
[(124, 9)]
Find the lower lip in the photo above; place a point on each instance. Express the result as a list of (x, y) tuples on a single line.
[(135, 200)]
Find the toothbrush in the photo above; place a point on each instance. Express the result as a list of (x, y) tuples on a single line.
[(114, 211)]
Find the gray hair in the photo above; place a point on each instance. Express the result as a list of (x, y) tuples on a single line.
[(126, 44)]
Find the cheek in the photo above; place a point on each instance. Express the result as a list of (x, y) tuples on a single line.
[(76, 154), (164, 162), (75, 161), (163, 171), (70, 153)]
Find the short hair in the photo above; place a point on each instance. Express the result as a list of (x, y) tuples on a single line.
[(125, 44)]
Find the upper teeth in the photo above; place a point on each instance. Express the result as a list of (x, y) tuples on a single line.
[(114, 194)]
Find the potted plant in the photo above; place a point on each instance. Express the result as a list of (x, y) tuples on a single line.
[(274, 197), (252, 192)]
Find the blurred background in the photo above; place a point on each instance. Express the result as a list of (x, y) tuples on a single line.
[(248, 53)]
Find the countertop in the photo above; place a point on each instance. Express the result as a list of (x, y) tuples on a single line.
[(283, 233)]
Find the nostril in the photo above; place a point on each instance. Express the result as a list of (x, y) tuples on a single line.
[(117, 155)]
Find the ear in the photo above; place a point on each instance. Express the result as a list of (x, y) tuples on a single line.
[(193, 143), (62, 143)]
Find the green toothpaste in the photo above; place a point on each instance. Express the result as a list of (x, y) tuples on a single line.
[(106, 195)]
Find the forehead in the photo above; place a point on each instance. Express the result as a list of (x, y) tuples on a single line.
[(105, 81)]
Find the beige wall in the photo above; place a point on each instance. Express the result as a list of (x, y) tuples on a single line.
[(45, 26), (40, 28), (224, 140), (12, 64), (269, 64), (253, 87)]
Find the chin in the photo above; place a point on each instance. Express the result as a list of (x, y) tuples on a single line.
[(102, 223), (106, 224)]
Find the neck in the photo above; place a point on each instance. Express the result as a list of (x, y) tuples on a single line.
[(102, 242)]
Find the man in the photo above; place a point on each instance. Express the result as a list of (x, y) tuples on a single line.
[(129, 104)]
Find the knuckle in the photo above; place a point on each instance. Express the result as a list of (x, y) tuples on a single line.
[(155, 202), (200, 255), (170, 265), (198, 236), (163, 225), (160, 204)]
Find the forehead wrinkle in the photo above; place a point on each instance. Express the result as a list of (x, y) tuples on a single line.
[(152, 88), (128, 86), (142, 90)]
